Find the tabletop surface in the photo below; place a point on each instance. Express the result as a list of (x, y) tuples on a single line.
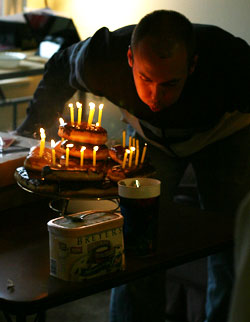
[(185, 234), (30, 66)]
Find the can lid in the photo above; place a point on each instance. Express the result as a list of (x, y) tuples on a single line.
[(139, 188), (90, 223)]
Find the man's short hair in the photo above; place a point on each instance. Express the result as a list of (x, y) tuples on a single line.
[(165, 29)]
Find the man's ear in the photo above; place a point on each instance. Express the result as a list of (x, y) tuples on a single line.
[(130, 57), (193, 64)]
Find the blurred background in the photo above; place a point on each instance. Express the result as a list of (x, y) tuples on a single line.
[(88, 16)]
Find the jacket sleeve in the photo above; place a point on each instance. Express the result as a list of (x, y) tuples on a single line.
[(60, 81)]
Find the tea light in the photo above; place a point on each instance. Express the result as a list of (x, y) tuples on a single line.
[(127, 151), (132, 150), (67, 154), (95, 148), (71, 108), (79, 108), (124, 138), (144, 152), (53, 144), (137, 153), (100, 114), (91, 113), (83, 148), (42, 142)]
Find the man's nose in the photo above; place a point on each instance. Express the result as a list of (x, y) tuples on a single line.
[(156, 93)]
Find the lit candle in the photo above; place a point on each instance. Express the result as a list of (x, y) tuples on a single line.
[(91, 113), (83, 148), (71, 108), (129, 142), (95, 148), (67, 154), (127, 151), (132, 150), (137, 153), (100, 114), (124, 138), (144, 152), (61, 121), (53, 144), (42, 142), (79, 108), (97, 124)]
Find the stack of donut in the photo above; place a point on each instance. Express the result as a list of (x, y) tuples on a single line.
[(78, 136), (108, 161)]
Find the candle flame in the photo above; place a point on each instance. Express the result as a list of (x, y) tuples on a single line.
[(70, 105), (95, 148), (42, 133), (128, 151), (78, 105), (83, 148), (97, 124), (70, 145), (132, 148), (101, 106), (53, 143), (92, 105), (61, 121)]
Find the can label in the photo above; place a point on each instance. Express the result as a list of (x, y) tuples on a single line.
[(92, 255)]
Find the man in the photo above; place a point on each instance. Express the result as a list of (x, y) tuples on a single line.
[(185, 90)]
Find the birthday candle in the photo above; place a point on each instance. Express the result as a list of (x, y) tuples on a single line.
[(53, 144), (71, 108), (132, 149), (79, 108), (124, 138), (67, 154), (95, 148), (42, 142), (129, 141), (137, 153), (91, 113), (127, 151), (100, 114), (144, 152), (83, 148)]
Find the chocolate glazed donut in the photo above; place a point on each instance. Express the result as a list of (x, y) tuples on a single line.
[(101, 154), (84, 133)]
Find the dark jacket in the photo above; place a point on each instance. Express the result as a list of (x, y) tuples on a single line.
[(99, 65)]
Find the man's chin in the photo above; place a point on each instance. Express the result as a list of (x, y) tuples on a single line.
[(156, 108)]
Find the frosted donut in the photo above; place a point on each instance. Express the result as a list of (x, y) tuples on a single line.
[(101, 154), (116, 152), (83, 133), (36, 163)]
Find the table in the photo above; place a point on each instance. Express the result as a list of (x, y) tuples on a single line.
[(185, 234), (31, 66)]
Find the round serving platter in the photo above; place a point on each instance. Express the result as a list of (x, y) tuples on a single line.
[(31, 182)]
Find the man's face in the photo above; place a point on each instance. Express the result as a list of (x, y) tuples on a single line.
[(159, 81)]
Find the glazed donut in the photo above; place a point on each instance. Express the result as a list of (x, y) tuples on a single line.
[(116, 173), (74, 164), (83, 133), (36, 163), (116, 152), (101, 154)]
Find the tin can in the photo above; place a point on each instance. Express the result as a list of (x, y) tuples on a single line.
[(87, 248)]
